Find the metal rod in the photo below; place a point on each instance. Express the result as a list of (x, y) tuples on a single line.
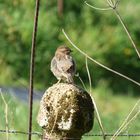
[(32, 64), (60, 4)]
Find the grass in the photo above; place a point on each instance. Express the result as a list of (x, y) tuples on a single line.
[(17, 118), (112, 108)]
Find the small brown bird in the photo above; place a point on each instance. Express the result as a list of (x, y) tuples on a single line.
[(63, 65)]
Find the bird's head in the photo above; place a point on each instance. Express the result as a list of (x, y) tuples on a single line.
[(63, 50)]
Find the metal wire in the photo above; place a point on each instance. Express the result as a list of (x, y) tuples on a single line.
[(86, 135), (20, 132), (32, 63)]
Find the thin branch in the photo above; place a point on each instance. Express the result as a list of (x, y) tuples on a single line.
[(125, 121), (93, 100), (6, 115), (97, 8), (98, 118), (113, 5), (84, 86), (110, 2), (98, 63), (127, 32), (132, 119), (89, 76), (127, 118)]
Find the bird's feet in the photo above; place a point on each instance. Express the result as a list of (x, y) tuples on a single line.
[(58, 81)]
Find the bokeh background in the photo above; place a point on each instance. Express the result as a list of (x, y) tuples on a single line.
[(98, 33)]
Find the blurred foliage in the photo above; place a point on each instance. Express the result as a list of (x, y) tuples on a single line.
[(98, 33)]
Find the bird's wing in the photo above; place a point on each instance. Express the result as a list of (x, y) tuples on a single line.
[(53, 64), (66, 65)]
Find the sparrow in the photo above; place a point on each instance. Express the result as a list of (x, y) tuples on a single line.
[(63, 65)]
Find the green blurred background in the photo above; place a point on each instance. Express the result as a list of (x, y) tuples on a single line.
[(98, 33)]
